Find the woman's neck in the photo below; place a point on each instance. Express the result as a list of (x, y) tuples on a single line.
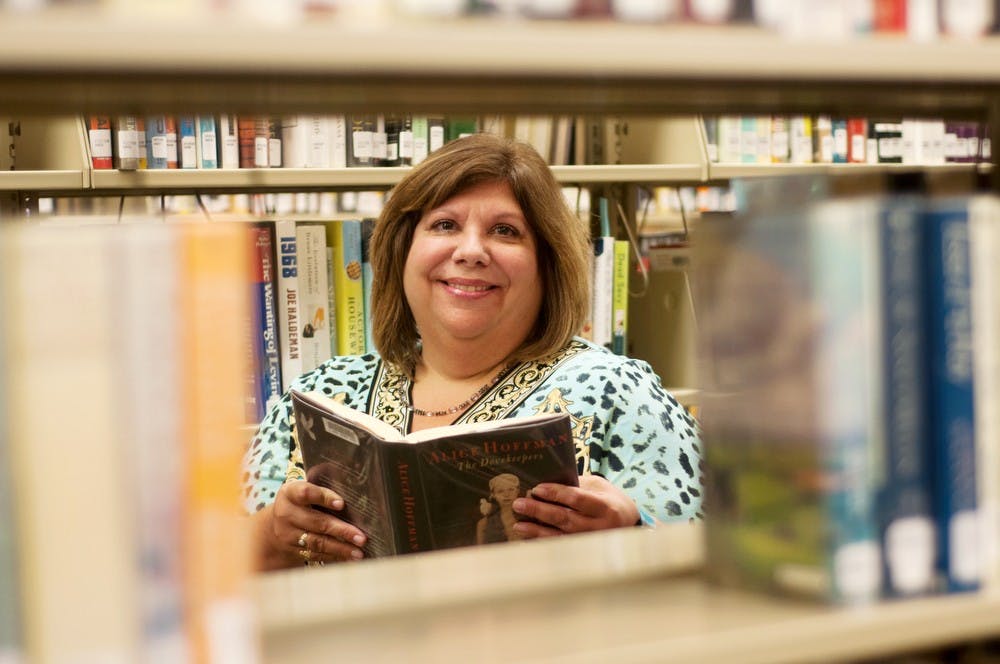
[(461, 364)]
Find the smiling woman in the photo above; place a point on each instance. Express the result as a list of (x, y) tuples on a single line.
[(480, 271)]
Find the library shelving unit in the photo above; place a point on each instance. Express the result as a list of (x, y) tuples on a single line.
[(630, 595)]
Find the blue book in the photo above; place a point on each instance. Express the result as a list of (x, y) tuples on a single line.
[(160, 149), (208, 150), (367, 226), (187, 140), (264, 323), (840, 138), (950, 383), (906, 520)]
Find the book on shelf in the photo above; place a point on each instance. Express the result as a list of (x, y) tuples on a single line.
[(187, 142), (289, 309), (841, 142), (419, 125), (367, 228), (361, 143), (314, 274), (273, 140), (266, 360), (299, 135), (436, 132), (603, 281), (786, 391), (230, 145), (207, 142), (433, 489), (126, 144), (99, 136), (161, 141), (951, 390), (344, 239), (337, 131), (619, 297)]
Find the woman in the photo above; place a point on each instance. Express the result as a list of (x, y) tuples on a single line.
[(480, 281)]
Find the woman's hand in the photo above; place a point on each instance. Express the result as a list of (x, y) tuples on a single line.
[(291, 531), (595, 505)]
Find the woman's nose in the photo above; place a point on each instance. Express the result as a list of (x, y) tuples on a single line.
[(471, 248)]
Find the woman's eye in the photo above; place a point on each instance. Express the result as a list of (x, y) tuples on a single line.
[(506, 230), (443, 225)]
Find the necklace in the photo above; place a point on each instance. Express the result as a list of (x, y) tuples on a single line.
[(465, 404)]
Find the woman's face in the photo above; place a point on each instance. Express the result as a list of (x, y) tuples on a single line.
[(472, 270)]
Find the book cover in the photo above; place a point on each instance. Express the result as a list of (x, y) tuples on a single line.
[(264, 321), (99, 134), (208, 149), (951, 386), (434, 489), (344, 238), (786, 391), (619, 298), (314, 274), (289, 311)]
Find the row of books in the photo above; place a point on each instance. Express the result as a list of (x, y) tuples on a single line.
[(333, 141), (122, 537), (824, 139), (850, 388), (311, 293)]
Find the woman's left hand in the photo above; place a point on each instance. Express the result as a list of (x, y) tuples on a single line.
[(596, 504)]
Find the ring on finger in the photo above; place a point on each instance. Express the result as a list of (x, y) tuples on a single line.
[(306, 554), (303, 538)]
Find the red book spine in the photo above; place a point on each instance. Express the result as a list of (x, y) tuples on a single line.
[(857, 135), (99, 130), (890, 16), (246, 132)]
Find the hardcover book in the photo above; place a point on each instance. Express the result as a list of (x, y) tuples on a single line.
[(433, 489)]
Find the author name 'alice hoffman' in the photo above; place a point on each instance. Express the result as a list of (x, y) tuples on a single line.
[(493, 448)]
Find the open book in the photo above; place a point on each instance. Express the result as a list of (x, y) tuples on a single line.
[(432, 489)]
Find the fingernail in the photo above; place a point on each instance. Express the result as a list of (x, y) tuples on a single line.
[(337, 504), (357, 554), (540, 491), (358, 539), (518, 505)]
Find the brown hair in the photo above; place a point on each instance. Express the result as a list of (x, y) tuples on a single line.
[(563, 241)]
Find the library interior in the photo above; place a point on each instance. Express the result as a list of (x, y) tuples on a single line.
[(794, 215)]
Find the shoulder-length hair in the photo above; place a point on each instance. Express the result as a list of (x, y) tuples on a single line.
[(563, 241)]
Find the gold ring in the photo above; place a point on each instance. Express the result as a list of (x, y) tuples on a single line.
[(302, 540), (306, 554)]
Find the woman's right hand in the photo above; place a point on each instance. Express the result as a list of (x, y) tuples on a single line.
[(292, 520)]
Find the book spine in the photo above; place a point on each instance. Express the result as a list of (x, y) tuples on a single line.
[(208, 150), (126, 151), (404, 497), (457, 127), (187, 142), (405, 140), (841, 140), (435, 133), (156, 142), (313, 294), (267, 362), (295, 141), (730, 132), (345, 238), (99, 134), (780, 140), (289, 314), (331, 299), (857, 140), (367, 228), (318, 150), (380, 147), (140, 127), (889, 137), (361, 146), (619, 298), (273, 142), (906, 519), (337, 127), (602, 294), (420, 138), (952, 392), (823, 140), (393, 126), (748, 139), (984, 239), (762, 127), (230, 145)]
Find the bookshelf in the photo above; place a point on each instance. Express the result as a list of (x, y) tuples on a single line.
[(623, 597)]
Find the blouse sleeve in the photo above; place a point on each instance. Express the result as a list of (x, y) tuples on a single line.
[(652, 445)]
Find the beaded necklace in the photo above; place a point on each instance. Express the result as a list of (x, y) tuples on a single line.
[(465, 404)]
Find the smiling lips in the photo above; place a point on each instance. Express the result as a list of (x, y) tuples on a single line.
[(468, 287)]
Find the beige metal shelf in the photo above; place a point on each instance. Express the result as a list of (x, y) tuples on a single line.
[(628, 595), (719, 171), (58, 180), (72, 62)]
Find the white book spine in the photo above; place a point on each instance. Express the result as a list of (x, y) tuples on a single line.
[(314, 337), (337, 128), (295, 141)]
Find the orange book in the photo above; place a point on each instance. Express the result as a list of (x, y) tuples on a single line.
[(99, 130), (217, 548)]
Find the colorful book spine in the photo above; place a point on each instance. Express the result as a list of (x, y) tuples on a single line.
[(267, 359), (158, 143), (841, 141), (344, 237), (857, 140), (289, 312), (314, 340), (951, 385), (208, 144), (619, 298), (140, 125), (99, 134), (602, 295)]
